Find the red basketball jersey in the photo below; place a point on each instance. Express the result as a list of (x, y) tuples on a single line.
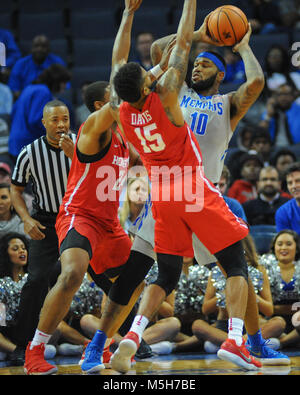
[(157, 140), (94, 186)]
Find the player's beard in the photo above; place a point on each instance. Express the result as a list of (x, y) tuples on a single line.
[(203, 85)]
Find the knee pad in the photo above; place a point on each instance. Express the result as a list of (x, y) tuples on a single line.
[(232, 259), (169, 271), (133, 273)]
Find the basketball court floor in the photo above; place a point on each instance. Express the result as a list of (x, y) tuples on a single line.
[(174, 364)]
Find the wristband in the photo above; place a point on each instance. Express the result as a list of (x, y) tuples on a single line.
[(156, 71)]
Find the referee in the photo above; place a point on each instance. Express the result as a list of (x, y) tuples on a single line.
[(46, 163)]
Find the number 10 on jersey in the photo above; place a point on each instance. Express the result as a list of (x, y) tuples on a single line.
[(199, 122)]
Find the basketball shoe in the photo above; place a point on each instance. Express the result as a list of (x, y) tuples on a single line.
[(35, 363), (121, 359), (239, 355), (105, 357), (266, 355)]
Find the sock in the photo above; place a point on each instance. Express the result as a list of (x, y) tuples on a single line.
[(235, 330), (99, 339), (39, 338), (256, 340), (139, 325)]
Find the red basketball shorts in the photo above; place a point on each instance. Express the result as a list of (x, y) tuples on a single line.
[(213, 223), (110, 244)]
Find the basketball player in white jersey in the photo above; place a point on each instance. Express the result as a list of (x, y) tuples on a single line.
[(213, 118)]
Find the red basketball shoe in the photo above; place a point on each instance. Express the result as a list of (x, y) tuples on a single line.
[(122, 358), (35, 363), (239, 355)]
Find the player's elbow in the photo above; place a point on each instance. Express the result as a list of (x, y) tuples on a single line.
[(257, 83)]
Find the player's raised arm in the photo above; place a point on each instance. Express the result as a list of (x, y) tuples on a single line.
[(247, 94), (199, 35), (122, 44), (169, 85), (178, 61)]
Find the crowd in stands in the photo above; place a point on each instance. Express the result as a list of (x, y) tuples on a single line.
[(260, 180)]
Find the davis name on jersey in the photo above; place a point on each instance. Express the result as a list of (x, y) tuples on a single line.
[(141, 119)]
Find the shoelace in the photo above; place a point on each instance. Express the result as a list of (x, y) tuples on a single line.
[(93, 353), (268, 350)]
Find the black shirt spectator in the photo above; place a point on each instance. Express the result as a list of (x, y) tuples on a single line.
[(261, 211)]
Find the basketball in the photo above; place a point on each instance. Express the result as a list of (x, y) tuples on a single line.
[(227, 25)]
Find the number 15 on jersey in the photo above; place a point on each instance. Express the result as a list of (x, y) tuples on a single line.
[(151, 142)]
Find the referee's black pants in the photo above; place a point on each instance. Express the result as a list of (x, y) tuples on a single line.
[(43, 256)]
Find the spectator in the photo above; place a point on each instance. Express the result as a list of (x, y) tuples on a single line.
[(9, 220), (278, 69), (289, 13), (283, 267), (282, 117), (245, 135), (288, 215), (261, 211), (27, 69), (13, 276), (244, 188), (14, 256), (261, 143), (28, 109), (6, 99), (137, 194), (4, 134), (281, 160), (143, 44), (13, 267), (233, 204), (12, 53), (5, 173), (243, 145)]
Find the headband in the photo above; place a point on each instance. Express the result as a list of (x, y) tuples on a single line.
[(214, 59)]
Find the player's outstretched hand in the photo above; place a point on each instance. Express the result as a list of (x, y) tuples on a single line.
[(203, 33), (132, 5), (167, 53), (244, 41)]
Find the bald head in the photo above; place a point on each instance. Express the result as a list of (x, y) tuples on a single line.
[(53, 104)]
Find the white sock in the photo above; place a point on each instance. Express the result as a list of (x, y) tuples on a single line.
[(39, 337), (139, 325), (235, 330)]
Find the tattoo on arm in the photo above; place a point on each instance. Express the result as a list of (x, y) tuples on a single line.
[(178, 68), (243, 99)]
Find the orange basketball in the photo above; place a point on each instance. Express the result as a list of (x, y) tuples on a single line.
[(227, 24)]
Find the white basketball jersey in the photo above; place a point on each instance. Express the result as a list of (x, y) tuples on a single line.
[(209, 119)]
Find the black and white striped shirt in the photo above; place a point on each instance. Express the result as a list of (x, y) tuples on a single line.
[(48, 169)]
